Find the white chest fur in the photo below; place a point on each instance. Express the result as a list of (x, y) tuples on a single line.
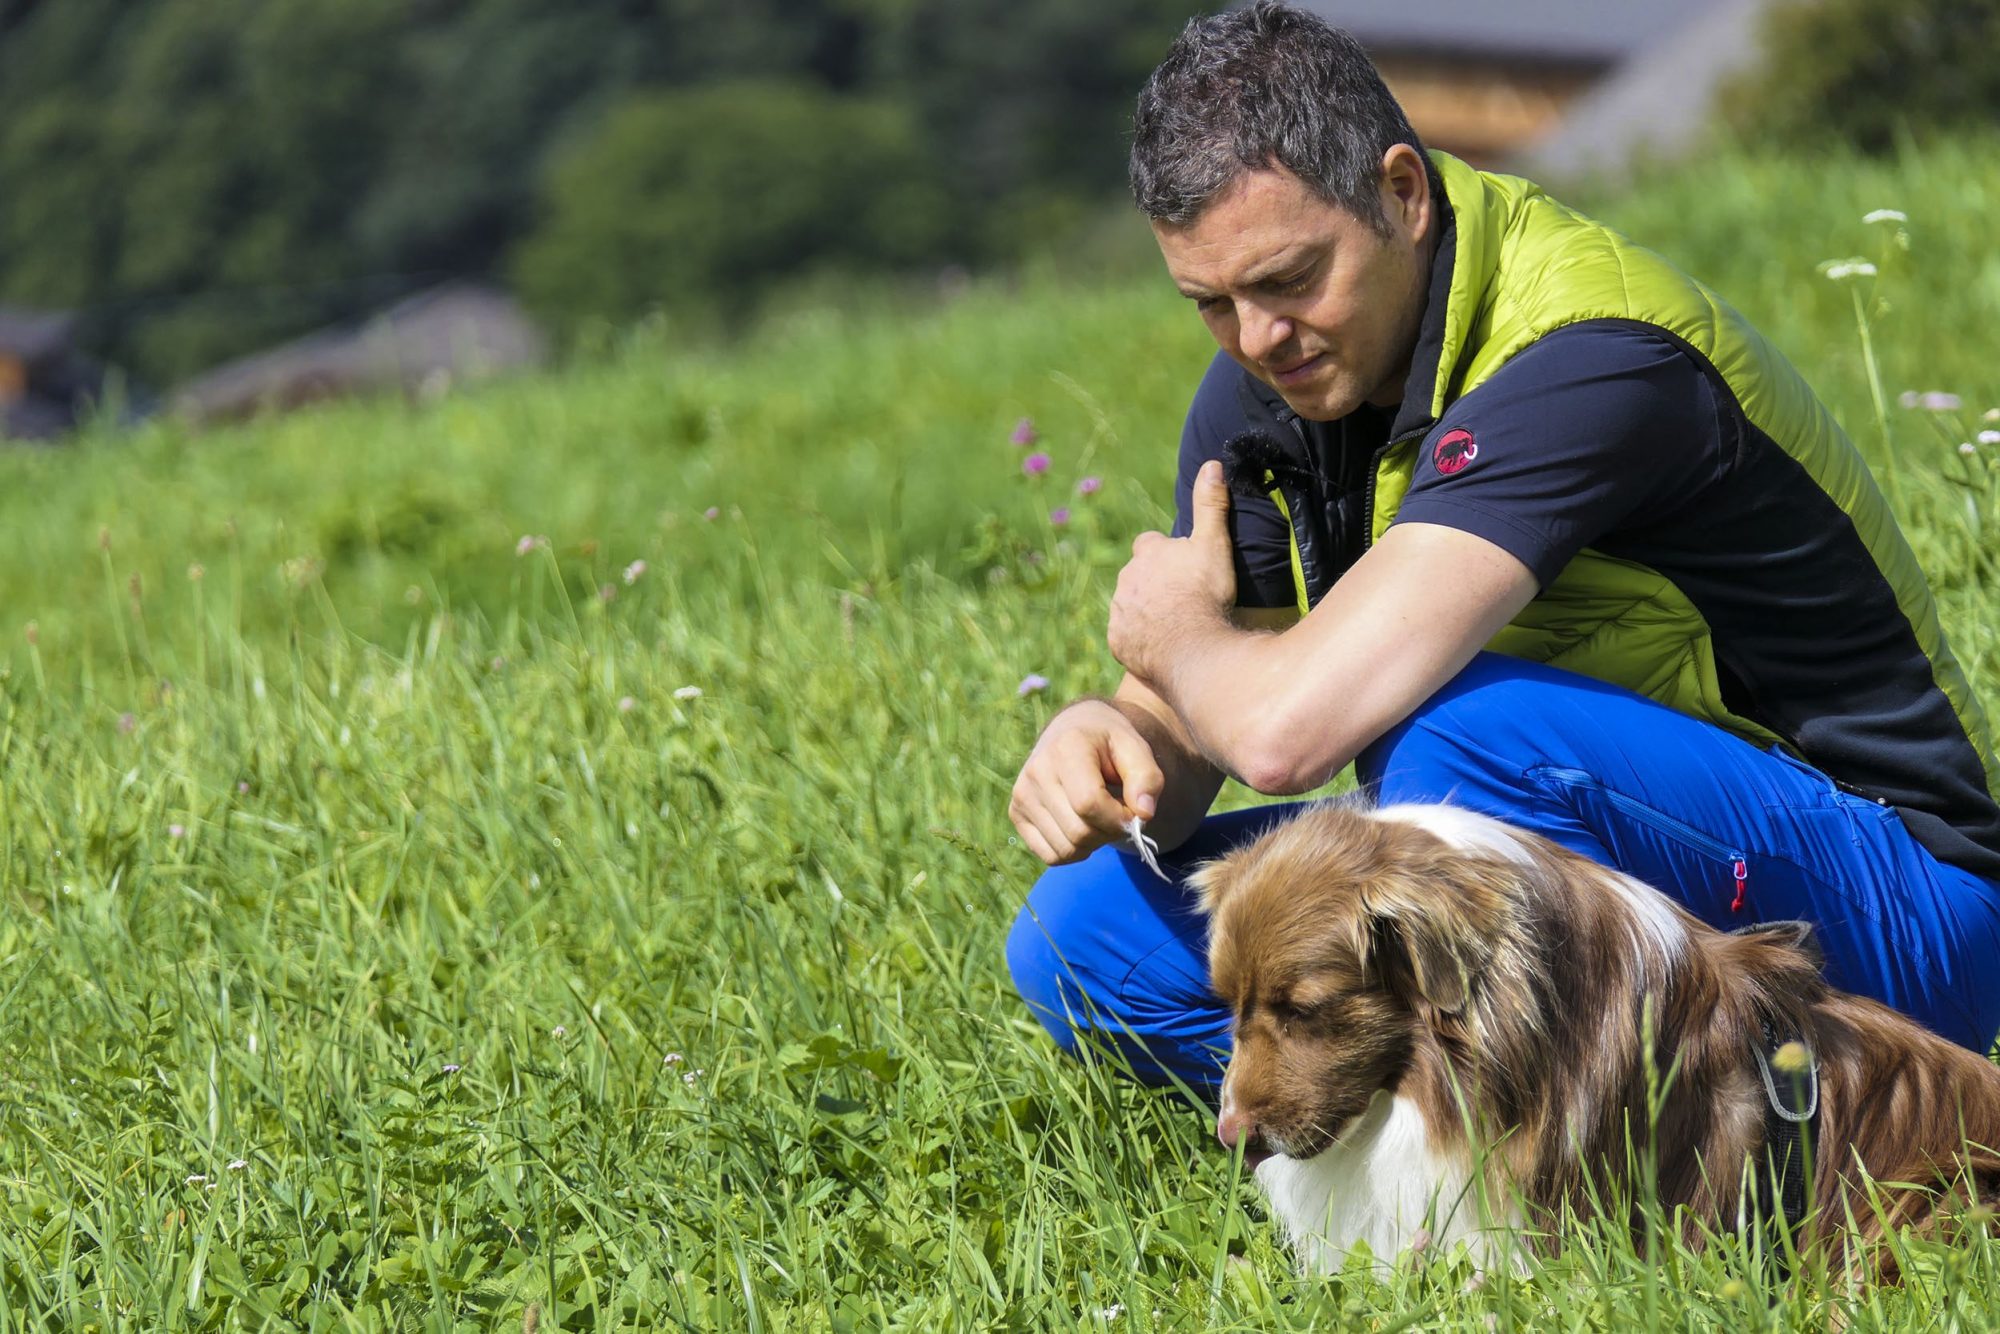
[(1382, 1184)]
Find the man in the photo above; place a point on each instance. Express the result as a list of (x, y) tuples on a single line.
[(1451, 415)]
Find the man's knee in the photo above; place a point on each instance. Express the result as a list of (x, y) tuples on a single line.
[(1108, 961), (1047, 935)]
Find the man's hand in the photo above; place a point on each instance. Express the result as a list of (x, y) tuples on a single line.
[(1091, 771), (1174, 590)]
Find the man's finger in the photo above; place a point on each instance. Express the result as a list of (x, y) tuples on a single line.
[(1084, 792), (1045, 824), (1037, 844), (1138, 774), (1211, 505)]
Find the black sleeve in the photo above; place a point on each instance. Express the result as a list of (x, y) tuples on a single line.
[(1258, 534), (1593, 428)]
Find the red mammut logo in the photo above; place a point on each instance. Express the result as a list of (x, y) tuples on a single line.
[(1454, 450)]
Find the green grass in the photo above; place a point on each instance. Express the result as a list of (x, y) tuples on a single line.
[(384, 943)]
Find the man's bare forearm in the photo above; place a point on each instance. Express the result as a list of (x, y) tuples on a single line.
[(1191, 781)]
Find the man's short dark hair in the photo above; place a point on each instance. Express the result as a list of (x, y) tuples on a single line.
[(1269, 84)]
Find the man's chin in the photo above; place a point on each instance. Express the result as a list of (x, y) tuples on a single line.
[(1319, 403), (1319, 410)]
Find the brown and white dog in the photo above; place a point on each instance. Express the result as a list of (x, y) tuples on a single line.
[(1441, 1028)]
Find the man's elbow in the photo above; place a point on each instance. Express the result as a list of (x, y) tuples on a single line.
[(1285, 761)]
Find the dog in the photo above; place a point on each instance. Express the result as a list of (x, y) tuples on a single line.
[(1449, 1030)]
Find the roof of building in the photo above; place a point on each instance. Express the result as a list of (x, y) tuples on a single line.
[(1657, 104), (31, 336), (461, 330), (1603, 32)]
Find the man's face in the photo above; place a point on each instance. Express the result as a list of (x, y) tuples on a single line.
[(1306, 296)]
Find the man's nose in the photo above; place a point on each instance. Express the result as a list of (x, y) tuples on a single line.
[(1260, 332)]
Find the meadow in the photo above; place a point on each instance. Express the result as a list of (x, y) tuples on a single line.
[(537, 859)]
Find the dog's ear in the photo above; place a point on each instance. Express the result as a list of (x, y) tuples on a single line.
[(1428, 936), (1212, 883), (1799, 935)]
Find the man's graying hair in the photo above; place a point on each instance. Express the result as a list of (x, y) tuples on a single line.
[(1268, 84)]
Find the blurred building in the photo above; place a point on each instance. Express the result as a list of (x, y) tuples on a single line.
[(421, 346), (47, 386), (1554, 86)]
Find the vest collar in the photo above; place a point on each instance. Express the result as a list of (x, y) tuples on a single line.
[(1468, 251)]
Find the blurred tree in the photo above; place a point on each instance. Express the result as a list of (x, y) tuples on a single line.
[(1027, 101), (215, 144), (1862, 71), (705, 200), (201, 177)]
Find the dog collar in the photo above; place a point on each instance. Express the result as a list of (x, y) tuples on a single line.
[(1790, 1069)]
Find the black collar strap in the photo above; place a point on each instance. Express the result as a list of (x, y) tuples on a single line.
[(1790, 1070)]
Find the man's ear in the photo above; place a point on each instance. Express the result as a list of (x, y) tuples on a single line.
[(1406, 192), (1429, 937)]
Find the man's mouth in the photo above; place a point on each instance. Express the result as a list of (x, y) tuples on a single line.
[(1298, 370)]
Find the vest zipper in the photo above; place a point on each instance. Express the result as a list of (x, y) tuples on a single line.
[(1368, 501)]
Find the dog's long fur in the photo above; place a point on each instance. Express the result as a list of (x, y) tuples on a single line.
[(1442, 1027)]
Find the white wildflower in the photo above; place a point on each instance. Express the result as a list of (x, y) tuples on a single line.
[(1988, 437), (688, 692), (196, 1179), (559, 1031), (1937, 400), (634, 570), (1885, 215), (238, 1164), (1840, 270), (1966, 447), (672, 1058)]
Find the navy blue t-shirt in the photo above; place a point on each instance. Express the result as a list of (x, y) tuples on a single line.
[(1593, 428), (1614, 435)]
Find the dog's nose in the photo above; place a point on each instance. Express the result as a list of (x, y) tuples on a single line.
[(1233, 1129)]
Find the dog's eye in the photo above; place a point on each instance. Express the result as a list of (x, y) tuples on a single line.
[(1313, 1004)]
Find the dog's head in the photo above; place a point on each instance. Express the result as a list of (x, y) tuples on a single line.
[(1341, 941)]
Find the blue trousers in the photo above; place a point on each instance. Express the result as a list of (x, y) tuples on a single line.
[(1106, 952)]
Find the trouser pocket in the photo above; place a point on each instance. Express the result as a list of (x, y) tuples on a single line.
[(1710, 875)]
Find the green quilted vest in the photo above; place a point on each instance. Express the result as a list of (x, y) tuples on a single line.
[(1524, 266)]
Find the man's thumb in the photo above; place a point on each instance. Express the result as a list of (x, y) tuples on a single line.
[(1211, 502)]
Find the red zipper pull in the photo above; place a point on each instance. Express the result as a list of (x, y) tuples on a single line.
[(1741, 870)]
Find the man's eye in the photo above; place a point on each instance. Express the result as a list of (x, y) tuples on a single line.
[(1209, 304), (1293, 286)]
